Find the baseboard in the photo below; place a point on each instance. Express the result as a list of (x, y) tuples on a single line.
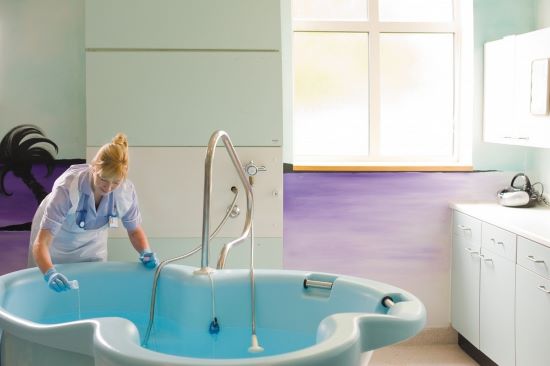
[(433, 336), (474, 352)]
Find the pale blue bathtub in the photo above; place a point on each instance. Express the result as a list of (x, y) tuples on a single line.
[(296, 326)]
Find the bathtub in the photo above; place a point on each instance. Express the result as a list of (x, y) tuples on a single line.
[(104, 322)]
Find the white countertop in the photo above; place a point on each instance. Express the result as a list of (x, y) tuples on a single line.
[(532, 223)]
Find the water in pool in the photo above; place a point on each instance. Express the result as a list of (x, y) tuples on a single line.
[(230, 342)]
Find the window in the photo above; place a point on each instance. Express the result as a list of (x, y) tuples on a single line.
[(379, 83)]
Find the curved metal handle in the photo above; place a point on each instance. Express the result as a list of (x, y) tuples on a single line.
[(472, 252), (485, 259), (527, 184), (543, 289), (533, 259), (463, 228), (216, 136), (517, 138)]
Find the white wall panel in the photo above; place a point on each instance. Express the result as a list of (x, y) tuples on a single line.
[(268, 252), (180, 98), (170, 181), (178, 24)]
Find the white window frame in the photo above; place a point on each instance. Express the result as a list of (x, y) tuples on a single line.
[(462, 29)]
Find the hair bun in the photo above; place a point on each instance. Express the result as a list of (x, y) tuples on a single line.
[(120, 139)]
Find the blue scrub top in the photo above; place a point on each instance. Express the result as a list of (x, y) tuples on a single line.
[(60, 203)]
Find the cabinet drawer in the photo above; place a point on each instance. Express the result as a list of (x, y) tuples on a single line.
[(534, 256), (498, 241), (467, 229)]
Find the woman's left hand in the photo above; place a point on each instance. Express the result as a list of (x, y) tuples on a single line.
[(149, 259)]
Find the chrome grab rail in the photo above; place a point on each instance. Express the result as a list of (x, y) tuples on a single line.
[(205, 243), (318, 284), (165, 262), (216, 136)]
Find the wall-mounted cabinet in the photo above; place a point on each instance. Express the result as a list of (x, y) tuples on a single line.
[(499, 80), (516, 90)]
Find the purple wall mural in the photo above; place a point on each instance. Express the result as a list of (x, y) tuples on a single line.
[(27, 172), (390, 227), (18, 209)]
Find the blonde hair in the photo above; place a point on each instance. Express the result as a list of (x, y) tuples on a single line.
[(111, 161)]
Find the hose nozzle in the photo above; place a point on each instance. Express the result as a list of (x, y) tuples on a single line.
[(255, 346)]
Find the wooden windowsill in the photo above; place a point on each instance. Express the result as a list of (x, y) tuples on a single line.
[(382, 168)]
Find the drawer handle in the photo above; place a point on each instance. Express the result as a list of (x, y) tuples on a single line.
[(532, 259), (464, 228), (497, 242), (473, 252), (543, 289), (482, 256)]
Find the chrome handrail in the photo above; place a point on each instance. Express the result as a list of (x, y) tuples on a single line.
[(165, 262), (216, 136)]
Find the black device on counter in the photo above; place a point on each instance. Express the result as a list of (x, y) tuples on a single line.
[(521, 195)]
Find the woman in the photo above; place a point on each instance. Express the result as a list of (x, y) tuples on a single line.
[(71, 224)]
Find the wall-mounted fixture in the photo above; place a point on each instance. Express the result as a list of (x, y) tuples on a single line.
[(539, 86)]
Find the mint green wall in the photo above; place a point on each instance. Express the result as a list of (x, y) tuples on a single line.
[(543, 13), (42, 70), (540, 166), (494, 19)]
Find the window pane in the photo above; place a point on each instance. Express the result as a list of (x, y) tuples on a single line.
[(416, 10), (329, 9), (331, 93), (416, 84)]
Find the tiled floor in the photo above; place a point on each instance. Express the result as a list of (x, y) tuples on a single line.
[(421, 355)]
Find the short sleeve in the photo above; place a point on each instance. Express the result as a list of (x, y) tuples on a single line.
[(127, 201), (57, 208)]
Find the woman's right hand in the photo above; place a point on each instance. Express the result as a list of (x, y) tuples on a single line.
[(56, 281)]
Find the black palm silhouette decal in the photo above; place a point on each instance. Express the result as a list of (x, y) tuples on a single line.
[(22, 147)]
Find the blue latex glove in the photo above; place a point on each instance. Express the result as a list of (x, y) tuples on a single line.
[(149, 259), (56, 281)]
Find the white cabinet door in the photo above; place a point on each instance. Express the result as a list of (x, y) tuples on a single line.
[(498, 92), (496, 308), (465, 276), (532, 319), (509, 81), (530, 47)]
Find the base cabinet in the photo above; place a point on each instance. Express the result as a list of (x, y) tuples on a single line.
[(500, 282), (496, 308), (532, 318), (465, 276)]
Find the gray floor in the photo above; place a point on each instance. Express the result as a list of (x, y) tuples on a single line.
[(420, 355)]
